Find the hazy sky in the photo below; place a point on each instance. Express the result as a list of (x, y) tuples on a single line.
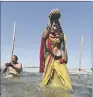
[(32, 18)]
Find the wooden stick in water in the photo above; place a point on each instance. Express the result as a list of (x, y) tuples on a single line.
[(13, 39), (12, 45)]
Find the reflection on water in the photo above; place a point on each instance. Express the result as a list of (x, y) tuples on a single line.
[(28, 85)]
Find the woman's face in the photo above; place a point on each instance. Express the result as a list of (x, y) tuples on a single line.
[(54, 25)]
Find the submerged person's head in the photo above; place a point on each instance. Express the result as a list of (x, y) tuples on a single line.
[(14, 59)]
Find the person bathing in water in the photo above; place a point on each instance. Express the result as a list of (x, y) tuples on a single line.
[(13, 68), (53, 55)]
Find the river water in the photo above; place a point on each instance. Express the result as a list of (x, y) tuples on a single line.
[(28, 85)]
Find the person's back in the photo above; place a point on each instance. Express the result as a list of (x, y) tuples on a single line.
[(13, 68)]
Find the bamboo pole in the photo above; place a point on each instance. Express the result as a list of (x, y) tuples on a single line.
[(13, 39), (80, 60)]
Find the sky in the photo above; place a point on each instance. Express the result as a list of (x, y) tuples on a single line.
[(31, 20)]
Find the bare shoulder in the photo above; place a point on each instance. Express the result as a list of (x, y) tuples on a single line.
[(19, 64)]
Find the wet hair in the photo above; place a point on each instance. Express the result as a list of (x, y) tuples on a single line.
[(15, 57)]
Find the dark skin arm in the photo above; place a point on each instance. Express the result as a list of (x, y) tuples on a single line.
[(6, 67), (17, 68)]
